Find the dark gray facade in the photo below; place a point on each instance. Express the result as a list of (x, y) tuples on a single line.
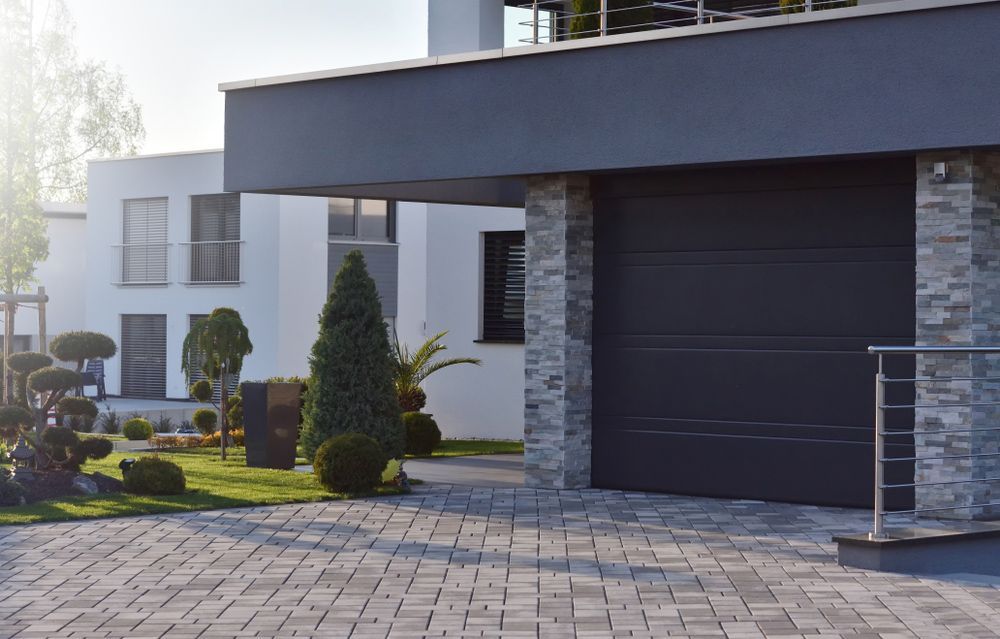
[(877, 84)]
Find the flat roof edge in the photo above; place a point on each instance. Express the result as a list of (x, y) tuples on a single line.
[(153, 156), (861, 11)]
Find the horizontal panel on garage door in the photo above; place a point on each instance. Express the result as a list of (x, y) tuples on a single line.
[(730, 329)]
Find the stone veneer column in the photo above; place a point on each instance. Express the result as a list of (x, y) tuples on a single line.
[(958, 303), (558, 311)]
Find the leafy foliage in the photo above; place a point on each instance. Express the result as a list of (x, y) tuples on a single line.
[(351, 389), (137, 429), (13, 419), (77, 406), (214, 440), (205, 420), (624, 16), (799, 6), (11, 492), (351, 462), (411, 369), (94, 448), (422, 433), (202, 390), (79, 346), (155, 476), (218, 344), (29, 362), (66, 448), (52, 379)]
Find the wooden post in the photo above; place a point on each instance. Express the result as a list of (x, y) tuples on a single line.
[(8, 338), (43, 346)]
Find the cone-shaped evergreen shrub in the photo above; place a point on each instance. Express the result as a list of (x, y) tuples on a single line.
[(351, 388)]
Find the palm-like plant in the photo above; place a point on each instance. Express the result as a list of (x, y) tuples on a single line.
[(410, 369), (217, 345)]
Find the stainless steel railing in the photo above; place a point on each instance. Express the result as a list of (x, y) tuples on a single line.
[(553, 20), (882, 434), (213, 262)]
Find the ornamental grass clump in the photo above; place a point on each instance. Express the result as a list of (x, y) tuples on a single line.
[(351, 386)]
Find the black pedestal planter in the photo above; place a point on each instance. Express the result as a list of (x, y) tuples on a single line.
[(270, 423)]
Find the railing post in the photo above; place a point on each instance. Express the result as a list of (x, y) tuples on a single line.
[(809, 5), (604, 17), (534, 22), (879, 531), (701, 11)]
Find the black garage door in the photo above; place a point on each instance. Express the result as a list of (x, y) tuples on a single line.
[(732, 313)]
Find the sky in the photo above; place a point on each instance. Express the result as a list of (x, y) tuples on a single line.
[(174, 53)]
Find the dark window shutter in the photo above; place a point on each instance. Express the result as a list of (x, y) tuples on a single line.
[(144, 356), (503, 286)]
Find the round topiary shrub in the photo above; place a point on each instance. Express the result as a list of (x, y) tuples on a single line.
[(349, 463), (422, 433), (205, 420), (13, 419), (77, 346), (29, 362), (93, 448), (155, 476), (202, 390), (77, 406), (137, 429), (53, 378), (11, 493)]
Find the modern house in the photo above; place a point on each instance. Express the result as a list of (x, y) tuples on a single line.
[(61, 274), (721, 215), (166, 245)]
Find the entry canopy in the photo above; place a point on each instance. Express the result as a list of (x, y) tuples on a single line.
[(467, 128)]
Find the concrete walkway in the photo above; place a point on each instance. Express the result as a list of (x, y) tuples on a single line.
[(449, 561)]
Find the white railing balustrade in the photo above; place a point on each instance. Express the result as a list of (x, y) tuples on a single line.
[(208, 263)]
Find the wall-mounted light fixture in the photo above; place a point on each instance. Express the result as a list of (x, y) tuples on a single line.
[(940, 172)]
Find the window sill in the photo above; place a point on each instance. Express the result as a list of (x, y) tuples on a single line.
[(498, 341)]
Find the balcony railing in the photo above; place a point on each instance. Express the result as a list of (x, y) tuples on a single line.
[(552, 20), (212, 263), (140, 264)]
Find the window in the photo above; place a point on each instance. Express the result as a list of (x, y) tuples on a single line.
[(142, 258), (503, 286), (213, 254), (144, 356), (361, 220)]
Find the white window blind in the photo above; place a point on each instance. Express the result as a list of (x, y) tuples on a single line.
[(144, 241)]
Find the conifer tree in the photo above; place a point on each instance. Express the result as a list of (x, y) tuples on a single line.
[(351, 389)]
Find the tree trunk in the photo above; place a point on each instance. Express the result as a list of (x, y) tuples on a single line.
[(224, 399), (8, 348)]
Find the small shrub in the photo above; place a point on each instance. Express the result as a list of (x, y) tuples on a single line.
[(11, 493), (234, 415), (155, 476), (110, 422), (202, 390), (422, 433), (76, 346), (93, 448), (13, 419), (77, 407), (351, 463), (205, 420), (53, 378), (215, 439), (58, 441), (174, 441), (29, 362), (137, 429), (163, 424)]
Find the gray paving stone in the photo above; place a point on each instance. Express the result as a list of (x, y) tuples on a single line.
[(471, 562)]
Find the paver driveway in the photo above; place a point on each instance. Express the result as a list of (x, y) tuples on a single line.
[(470, 562)]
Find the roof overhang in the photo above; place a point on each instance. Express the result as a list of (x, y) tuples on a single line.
[(886, 78)]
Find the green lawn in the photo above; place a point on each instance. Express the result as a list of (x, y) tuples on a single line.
[(211, 484), (465, 447)]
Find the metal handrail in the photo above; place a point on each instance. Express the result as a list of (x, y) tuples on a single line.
[(692, 12), (881, 406)]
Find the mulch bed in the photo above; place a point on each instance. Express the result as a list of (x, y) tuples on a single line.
[(54, 484)]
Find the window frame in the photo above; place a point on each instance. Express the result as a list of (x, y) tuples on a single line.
[(357, 237), (490, 334)]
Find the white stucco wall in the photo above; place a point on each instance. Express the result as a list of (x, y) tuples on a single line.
[(62, 274), (177, 177)]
